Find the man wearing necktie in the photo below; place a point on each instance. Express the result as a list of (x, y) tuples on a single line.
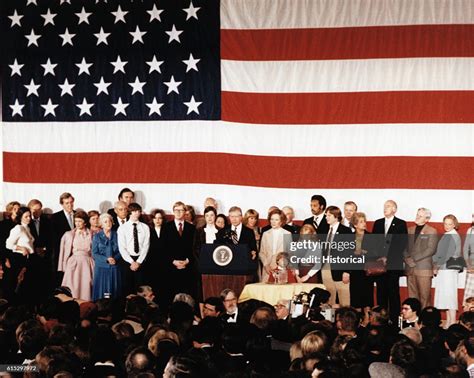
[(392, 253), (133, 242), (335, 276), (40, 228), (318, 220), (62, 221), (178, 241)]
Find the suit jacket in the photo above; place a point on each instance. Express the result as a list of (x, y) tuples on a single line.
[(395, 242), (60, 226), (323, 227), (294, 228), (343, 234), (45, 237), (247, 236), (178, 247), (421, 251)]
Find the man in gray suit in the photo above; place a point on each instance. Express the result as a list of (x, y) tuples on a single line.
[(422, 242)]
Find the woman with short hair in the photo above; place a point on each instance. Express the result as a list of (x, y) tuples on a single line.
[(107, 275)]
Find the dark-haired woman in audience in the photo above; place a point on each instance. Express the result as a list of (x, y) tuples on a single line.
[(221, 221), (250, 220), (205, 235), (75, 258), (107, 278), (9, 280), (362, 287), (94, 222), (156, 264), (22, 269)]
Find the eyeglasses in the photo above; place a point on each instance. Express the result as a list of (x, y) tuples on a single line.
[(179, 210), (230, 299), (406, 308)]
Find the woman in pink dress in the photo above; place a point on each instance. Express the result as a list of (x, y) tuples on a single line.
[(75, 258)]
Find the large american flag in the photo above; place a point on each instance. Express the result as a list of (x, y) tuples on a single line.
[(253, 102)]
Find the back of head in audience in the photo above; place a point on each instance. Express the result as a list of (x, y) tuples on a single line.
[(139, 360)]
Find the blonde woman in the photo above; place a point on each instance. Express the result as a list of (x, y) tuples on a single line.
[(446, 284)]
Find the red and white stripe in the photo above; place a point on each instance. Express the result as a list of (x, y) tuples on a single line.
[(362, 100)]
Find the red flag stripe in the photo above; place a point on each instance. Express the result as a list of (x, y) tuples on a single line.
[(349, 43), (349, 108), (247, 170)]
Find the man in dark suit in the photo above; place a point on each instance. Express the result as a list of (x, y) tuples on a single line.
[(238, 233), (41, 229), (62, 221), (392, 254), (318, 220), (336, 276), (178, 240), (119, 214), (290, 215)]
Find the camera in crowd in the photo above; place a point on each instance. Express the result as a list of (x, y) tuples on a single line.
[(313, 305)]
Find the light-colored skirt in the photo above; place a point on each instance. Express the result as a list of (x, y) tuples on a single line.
[(446, 289)]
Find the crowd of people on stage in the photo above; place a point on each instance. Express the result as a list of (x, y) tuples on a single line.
[(122, 255)]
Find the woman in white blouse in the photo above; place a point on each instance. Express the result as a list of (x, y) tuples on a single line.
[(205, 235), (272, 242), (20, 242)]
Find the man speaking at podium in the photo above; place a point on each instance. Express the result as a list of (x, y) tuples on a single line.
[(238, 234)]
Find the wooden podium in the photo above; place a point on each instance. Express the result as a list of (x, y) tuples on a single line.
[(225, 266)]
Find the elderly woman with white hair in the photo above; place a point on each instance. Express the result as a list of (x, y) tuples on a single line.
[(105, 251)]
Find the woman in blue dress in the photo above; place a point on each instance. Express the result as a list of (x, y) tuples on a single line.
[(105, 251)]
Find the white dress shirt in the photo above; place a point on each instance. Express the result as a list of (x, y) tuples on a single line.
[(20, 236), (125, 241), (388, 223), (238, 231)]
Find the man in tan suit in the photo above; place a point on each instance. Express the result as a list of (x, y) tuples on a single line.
[(422, 242)]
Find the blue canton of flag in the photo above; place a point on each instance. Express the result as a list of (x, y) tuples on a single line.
[(103, 61)]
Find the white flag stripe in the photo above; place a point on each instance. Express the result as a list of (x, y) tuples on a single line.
[(270, 14), (367, 75), (247, 139), (440, 202)]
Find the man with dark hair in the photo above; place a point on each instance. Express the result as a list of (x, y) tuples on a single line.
[(347, 322), (178, 242), (430, 317), (395, 242), (42, 231), (318, 220), (133, 242), (411, 308), (62, 221), (213, 307)]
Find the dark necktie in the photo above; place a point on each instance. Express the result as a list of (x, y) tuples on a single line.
[(136, 247), (235, 238), (180, 229), (37, 226), (329, 240), (231, 316), (315, 224)]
